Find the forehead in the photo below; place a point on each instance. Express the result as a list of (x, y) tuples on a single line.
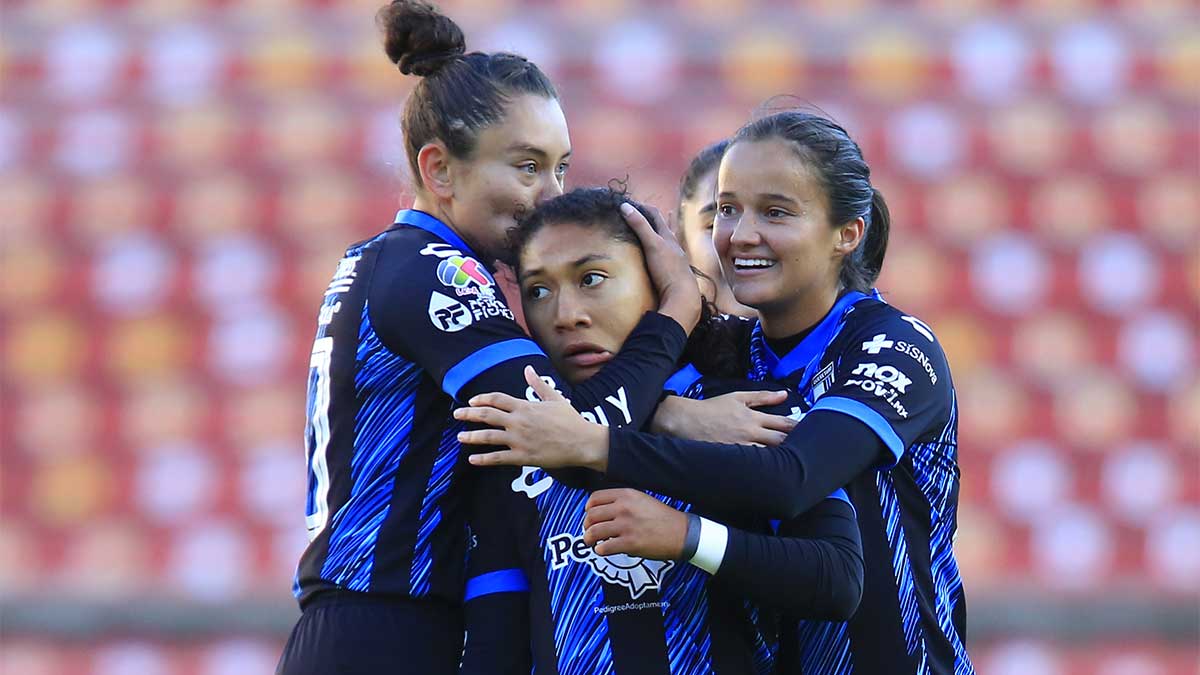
[(706, 188), (558, 247), (529, 120), (766, 166)]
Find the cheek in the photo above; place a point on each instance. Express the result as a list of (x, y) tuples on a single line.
[(537, 320), (720, 238)]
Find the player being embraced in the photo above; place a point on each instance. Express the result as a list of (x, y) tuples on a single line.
[(695, 214), (619, 580), (412, 323), (801, 236)]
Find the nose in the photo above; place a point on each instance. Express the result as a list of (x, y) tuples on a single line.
[(551, 188), (745, 232), (570, 313)]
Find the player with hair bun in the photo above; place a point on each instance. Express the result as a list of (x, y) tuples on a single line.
[(412, 325)]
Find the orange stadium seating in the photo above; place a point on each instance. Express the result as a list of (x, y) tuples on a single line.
[(177, 178)]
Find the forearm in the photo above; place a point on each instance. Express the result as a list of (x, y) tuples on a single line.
[(816, 577), (825, 451)]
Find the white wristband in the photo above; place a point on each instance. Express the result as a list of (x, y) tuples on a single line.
[(714, 537)]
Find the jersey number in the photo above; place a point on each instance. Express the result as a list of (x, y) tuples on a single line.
[(317, 511)]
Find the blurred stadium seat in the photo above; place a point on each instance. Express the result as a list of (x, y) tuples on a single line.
[(177, 180)]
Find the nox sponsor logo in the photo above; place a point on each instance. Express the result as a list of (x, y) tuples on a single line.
[(886, 382), (889, 374), (638, 575), (447, 314), (884, 392)]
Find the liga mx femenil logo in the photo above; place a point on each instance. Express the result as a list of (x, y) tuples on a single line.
[(463, 272)]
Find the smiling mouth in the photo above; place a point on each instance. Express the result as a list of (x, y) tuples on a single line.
[(752, 264)]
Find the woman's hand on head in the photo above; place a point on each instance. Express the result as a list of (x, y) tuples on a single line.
[(547, 433), (729, 418), (678, 293)]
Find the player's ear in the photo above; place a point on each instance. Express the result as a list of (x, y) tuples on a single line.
[(849, 236), (433, 162)]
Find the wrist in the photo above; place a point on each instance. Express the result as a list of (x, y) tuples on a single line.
[(595, 448), (710, 548), (664, 421), (684, 311)]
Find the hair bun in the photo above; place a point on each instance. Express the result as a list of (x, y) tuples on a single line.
[(418, 38)]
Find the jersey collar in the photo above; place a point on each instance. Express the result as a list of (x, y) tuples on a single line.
[(807, 353), (424, 221)]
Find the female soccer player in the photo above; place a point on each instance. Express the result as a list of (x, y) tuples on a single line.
[(643, 600), (697, 208), (411, 323), (802, 235)]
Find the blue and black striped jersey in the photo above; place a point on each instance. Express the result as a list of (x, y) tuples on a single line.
[(885, 370), (589, 613), (412, 322)]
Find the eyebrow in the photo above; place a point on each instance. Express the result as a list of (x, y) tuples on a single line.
[(768, 197), (526, 149), (578, 262)]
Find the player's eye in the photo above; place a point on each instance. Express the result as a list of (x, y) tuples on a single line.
[(537, 292), (776, 212), (592, 279), (726, 210), (562, 169), (530, 168)]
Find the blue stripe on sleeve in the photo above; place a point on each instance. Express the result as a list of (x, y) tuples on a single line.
[(474, 365), (682, 379), (863, 413), (500, 581)]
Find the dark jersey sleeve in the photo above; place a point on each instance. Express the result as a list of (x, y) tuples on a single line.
[(446, 313), (813, 568), (891, 375), (496, 598), (883, 399)]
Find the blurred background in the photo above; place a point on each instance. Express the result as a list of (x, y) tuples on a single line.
[(178, 179)]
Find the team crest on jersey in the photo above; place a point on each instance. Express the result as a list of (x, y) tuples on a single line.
[(822, 381), (636, 574)]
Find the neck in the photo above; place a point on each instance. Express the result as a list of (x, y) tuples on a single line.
[(803, 313), (427, 203)]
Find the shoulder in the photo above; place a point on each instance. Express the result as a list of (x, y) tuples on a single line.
[(877, 331), (871, 318)]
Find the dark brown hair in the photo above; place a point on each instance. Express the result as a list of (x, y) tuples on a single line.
[(459, 93)]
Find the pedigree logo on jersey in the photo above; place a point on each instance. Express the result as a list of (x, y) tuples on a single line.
[(447, 314), (465, 275), (636, 574)]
